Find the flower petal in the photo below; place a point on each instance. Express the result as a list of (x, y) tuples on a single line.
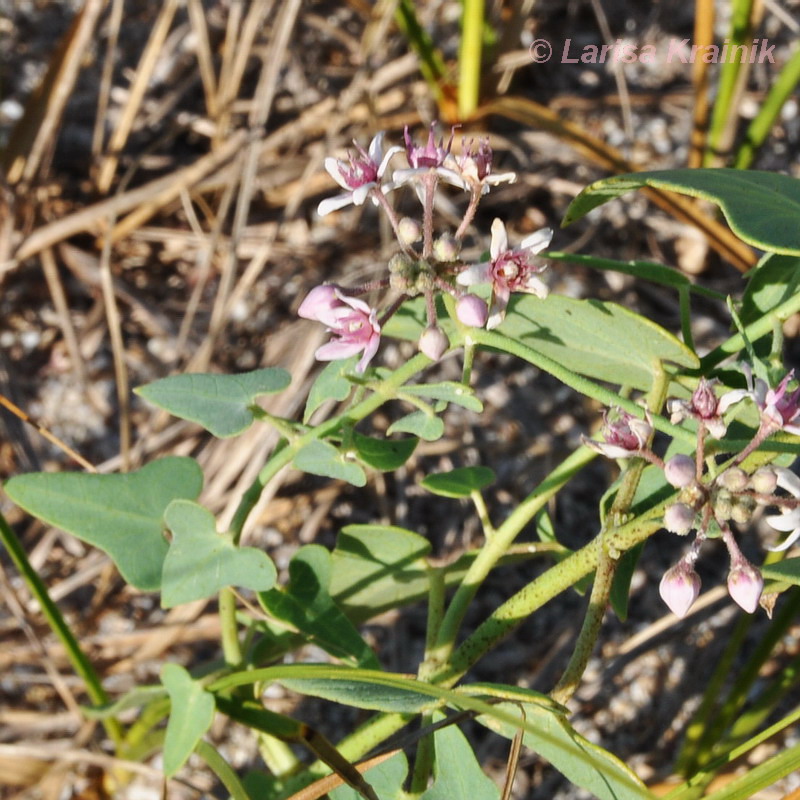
[(334, 169), (499, 238), (334, 203), (537, 241), (477, 273), (333, 351)]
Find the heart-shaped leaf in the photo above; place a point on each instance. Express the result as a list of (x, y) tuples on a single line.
[(776, 279), (459, 482), (593, 338), (425, 425), (384, 454), (191, 715), (120, 514), (220, 403), (201, 561), (307, 606), (762, 208), (322, 458)]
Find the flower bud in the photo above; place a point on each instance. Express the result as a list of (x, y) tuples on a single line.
[(446, 248), (318, 301), (679, 588), (722, 504), (679, 518), (742, 511), (433, 343), (680, 471), (764, 480), (734, 479), (745, 585), (472, 311), (410, 231), (704, 401)]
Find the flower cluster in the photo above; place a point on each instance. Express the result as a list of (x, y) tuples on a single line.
[(425, 264), (709, 502)]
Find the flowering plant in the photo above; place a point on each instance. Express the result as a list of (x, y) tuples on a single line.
[(699, 447)]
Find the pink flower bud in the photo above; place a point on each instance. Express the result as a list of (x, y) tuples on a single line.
[(680, 471), (319, 300), (679, 588), (433, 343), (679, 518), (704, 401), (745, 585), (472, 311)]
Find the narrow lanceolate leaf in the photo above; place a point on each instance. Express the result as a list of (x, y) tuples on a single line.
[(322, 458), (593, 338), (787, 571), (459, 482), (762, 208), (191, 715), (201, 561), (120, 514), (220, 403), (386, 780), (447, 391)]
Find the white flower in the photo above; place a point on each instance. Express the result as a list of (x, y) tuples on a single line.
[(788, 521)]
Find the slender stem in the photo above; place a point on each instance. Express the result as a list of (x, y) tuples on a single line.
[(429, 181), (483, 513), (231, 646), (382, 391), (77, 658), (474, 201), (394, 221), (497, 546)]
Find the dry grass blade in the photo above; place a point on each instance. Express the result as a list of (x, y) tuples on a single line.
[(205, 60), (324, 785), (144, 72), (703, 36), (36, 130)]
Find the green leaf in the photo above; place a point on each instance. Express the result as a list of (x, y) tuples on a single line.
[(191, 716), (376, 567), (120, 514), (307, 606), (331, 384), (365, 690), (201, 561), (384, 454), (220, 403), (595, 338), (322, 458), (459, 482), (425, 425), (762, 208), (447, 391), (457, 774), (137, 697), (386, 779), (774, 280), (787, 571), (585, 764)]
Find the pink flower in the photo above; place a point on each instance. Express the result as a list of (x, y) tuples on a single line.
[(779, 408), (703, 407), (430, 156), (624, 436), (352, 322), (475, 166), (509, 270), (359, 175)]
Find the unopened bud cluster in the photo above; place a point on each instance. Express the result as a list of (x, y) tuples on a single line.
[(709, 502)]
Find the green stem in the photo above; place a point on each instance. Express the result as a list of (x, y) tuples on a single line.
[(231, 646), (222, 769), (383, 391), (496, 546), (80, 663)]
